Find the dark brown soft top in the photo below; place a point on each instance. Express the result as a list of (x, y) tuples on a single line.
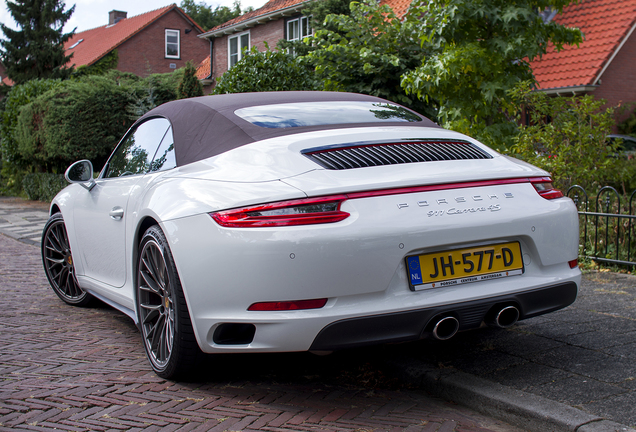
[(208, 126)]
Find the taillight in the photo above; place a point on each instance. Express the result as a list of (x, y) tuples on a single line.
[(327, 209), (297, 212), (573, 263), (544, 187), (288, 305)]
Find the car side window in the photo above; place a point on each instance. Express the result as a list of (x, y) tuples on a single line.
[(165, 158), (135, 153)]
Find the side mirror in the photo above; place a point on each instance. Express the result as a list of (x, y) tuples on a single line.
[(81, 172)]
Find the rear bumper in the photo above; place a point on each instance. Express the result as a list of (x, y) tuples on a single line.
[(414, 325)]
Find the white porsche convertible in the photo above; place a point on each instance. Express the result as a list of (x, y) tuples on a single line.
[(294, 221)]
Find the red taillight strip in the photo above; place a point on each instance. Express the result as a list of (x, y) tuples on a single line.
[(241, 217), (446, 186), (288, 305), (544, 188)]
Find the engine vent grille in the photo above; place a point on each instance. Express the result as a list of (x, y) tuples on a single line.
[(368, 155)]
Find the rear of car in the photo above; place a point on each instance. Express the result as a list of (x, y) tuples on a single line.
[(385, 234), (294, 221)]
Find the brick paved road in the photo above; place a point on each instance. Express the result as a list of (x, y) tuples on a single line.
[(84, 369)]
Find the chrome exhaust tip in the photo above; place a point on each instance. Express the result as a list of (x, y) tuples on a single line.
[(445, 328), (506, 317)]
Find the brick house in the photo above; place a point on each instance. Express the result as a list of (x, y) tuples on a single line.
[(604, 65), (158, 41), (276, 20)]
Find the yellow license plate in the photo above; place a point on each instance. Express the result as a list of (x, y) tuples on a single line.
[(462, 266)]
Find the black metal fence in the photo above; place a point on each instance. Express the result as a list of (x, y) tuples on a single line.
[(608, 228)]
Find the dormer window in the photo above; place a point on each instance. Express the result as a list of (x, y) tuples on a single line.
[(172, 44)]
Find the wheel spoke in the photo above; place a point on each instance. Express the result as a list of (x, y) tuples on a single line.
[(151, 277), (169, 333), (157, 332), (55, 241), (151, 284), (63, 238), (55, 260), (51, 247)]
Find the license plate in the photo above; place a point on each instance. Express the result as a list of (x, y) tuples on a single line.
[(460, 266)]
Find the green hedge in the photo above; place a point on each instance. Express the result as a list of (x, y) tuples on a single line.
[(77, 120), (43, 186)]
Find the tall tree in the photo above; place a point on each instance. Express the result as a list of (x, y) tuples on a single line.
[(317, 11), (478, 51), (37, 49), (209, 18), (367, 51)]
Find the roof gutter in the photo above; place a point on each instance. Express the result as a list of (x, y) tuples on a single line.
[(568, 91), (261, 19)]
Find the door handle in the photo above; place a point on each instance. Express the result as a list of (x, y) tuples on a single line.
[(116, 213)]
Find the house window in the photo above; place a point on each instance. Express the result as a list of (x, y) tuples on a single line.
[(299, 28), (236, 45), (172, 44)]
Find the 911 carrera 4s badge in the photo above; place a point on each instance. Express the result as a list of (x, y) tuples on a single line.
[(460, 266)]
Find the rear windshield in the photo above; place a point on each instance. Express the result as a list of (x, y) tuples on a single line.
[(324, 113)]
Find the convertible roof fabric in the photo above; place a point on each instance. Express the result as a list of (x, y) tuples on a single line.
[(207, 126)]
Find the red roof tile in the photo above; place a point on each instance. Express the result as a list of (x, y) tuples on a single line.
[(605, 24), (270, 7), (399, 6), (204, 68), (98, 42)]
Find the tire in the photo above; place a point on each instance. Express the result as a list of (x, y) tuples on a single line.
[(58, 263), (164, 320)]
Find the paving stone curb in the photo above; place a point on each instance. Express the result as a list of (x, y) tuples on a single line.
[(527, 411)]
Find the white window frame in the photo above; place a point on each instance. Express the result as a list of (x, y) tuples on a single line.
[(178, 34), (301, 34), (300, 23), (239, 54)]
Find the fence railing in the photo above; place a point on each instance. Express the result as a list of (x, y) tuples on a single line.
[(608, 229)]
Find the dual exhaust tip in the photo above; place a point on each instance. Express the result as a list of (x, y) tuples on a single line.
[(447, 326)]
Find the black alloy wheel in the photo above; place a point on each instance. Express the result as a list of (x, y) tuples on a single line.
[(58, 263), (164, 320)]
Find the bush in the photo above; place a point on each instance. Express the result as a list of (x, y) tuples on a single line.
[(266, 71), (47, 124), (189, 86), (43, 186), (568, 138), (77, 120), (18, 96), (150, 92), (11, 179)]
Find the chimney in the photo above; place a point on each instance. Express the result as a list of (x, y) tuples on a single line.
[(115, 16)]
